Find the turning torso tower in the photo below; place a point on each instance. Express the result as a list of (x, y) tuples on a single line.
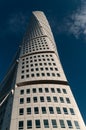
[(35, 93)]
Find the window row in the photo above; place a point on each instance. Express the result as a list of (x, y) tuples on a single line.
[(46, 90), (42, 99), (44, 110), (47, 124)]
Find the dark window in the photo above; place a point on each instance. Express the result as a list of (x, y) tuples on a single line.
[(41, 99), (35, 99), (52, 90), (58, 110), (28, 91), (29, 124), (48, 99), (28, 99), (69, 124), (64, 91), (21, 125), (68, 100), (72, 111), (46, 124), (34, 90), (51, 110), (62, 123), (55, 99), (58, 90), (65, 110), (61, 99), (21, 111), (37, 123), (43, 110), (21, 91), (28, 110), (21, 100), (76, 124), (46, 90), (22, 77), (40, 90), (36, 110), (54, 123)]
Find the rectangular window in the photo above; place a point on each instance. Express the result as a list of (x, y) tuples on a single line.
[(55, 99), (28, 99), (43, 110), (28, 110), (68, 100), (65, 110), (28, 91), (46, 124), (46, 90), (54, 123), (72, 111), (37, 123), (41, 99), (21, 111), (61, 99), (69, 124), (40, 90), (29, 124), (34, 90), (64, 91), (21, 100), (21, 125), (21, 91), (62, 123), (51, 110), (58, 110), (58, 90), (52, 90), (35, 99), (48, 99), (76, 124), (36, 110)]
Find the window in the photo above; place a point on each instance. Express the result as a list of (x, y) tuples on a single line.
[(21, 100), (46, 124), (61, 99), (29, 124), (21, 125), (68, 100), (27, 91), (58, 90), (35, 99), (72, 111), (51, 110), (28, 99), (76, 124), (28, 110), (46, 90), (62, 123), (54, 123), (55, 99), (22, 77), (43, 110), (48, 99), (21, 91), (65, 110), (40, 90), (64, 91), (41, 99), (52, 90), (58, 110), (21, 111), (36, 110), (69, 124), (37, 123), (34, 90)]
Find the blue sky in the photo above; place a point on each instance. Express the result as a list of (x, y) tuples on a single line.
[(67, 19)]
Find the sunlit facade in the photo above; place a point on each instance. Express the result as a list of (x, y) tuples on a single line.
[(35, 93)]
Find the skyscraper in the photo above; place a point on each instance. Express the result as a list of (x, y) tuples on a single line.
[(35, 93)]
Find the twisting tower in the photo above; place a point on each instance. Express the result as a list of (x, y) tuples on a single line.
[(35, 93)]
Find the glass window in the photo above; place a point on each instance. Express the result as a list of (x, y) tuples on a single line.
[(21, 111), (28, 99), (48, 99), (29, 124), (58, 110), (72, 111), (41, 99), (65, 110), (52, 90), (21, 91), (46, 124), (34, 90), (40, 90), (62, 123), (55, 99), (36, 110), (64, 91), (27, 91), (54, 123), (43, 110), (68, 100), (61, 99), (28, 110), (37, 123), (46, 90), (35, 99), (51, 110), (58, 90), (21, 100), (76, 124), (69, 124), (21, 125)]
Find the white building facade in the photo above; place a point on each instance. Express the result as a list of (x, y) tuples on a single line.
[(39, 96)]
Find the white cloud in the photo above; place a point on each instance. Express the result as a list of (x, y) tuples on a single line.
[(76, 23)]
